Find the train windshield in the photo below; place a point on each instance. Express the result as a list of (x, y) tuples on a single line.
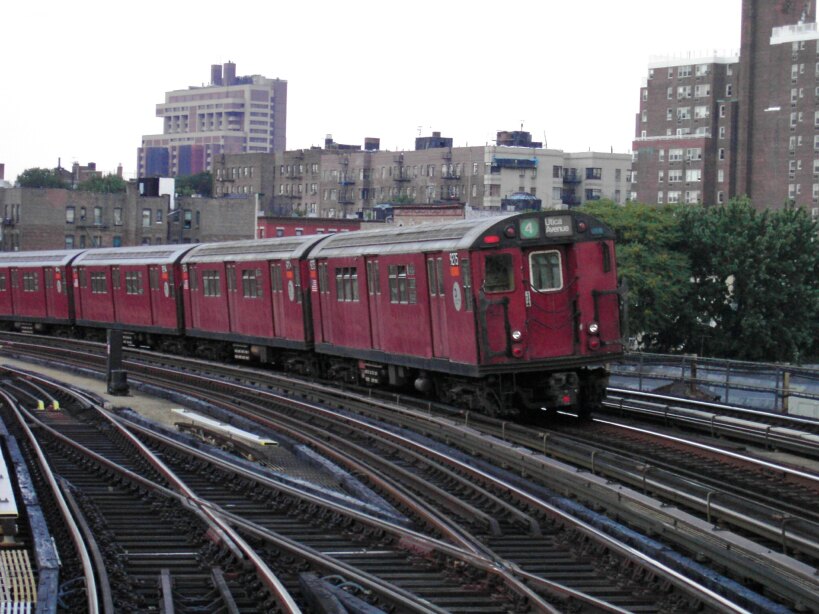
[(546, 272), (498, 273)]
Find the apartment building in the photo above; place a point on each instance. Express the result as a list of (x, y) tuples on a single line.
[(713, 127), (232, 114), (348, 181)]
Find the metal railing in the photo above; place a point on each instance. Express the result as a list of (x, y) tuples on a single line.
[(780, 388)]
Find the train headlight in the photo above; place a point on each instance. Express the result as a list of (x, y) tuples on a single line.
[(594, 328), (517, 335)]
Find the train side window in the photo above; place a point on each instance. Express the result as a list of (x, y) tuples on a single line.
[(498, 273), (116, 281), (153, 278), (30, 282), (373, 287), (402, 284), (231, 278), (14, 278), (606, 253), (433, 283), (99, 284), (440, 267), (466, 277), (347, 284), (250, 284), (324, 281), (275, 278), (211, 283), (546, 272), (2, 282), (297, 284), (133, 281)]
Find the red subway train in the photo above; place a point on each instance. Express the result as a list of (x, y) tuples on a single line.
[(500, 315)]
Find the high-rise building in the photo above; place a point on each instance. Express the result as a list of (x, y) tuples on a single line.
[(231, 115), (710, 128)]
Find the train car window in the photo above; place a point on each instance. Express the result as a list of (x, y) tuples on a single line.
[(211, 283), (99, 284), (153, 278), (466, 277), (373, 287), (402, 284), (133, 282), (297, 284), (323, 279), (14, 275), (30, 282), (433, 284), (498, 273), (546, 272), (116, 281), (606, 254), (439, 264), (2, 282), (231, 278), (250, 284), (275, 278), (347, 284)]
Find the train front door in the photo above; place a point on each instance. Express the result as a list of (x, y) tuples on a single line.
[(549, 296)]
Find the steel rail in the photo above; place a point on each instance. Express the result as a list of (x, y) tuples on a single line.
[(92, 598)]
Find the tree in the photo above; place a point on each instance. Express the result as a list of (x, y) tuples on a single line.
[(651, 260), (110, 184), (40, 178), (756, 281), (200, 184)]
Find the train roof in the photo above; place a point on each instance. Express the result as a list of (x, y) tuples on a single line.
[(139, 255), (548, 227), (60, 257), (259, 249)]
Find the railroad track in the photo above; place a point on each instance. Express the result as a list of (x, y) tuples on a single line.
[(510, 521)]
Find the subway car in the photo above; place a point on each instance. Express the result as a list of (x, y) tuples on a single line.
[(500, 315)]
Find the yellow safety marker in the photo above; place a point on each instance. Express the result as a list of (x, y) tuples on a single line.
[(55, 405), (41, 405)]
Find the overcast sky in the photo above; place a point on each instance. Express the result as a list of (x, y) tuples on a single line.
[(81, 80)]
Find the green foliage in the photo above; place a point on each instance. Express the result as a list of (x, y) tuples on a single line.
[(40, 178), (200, 184), (726, 281), (110, 184), (756, 281)]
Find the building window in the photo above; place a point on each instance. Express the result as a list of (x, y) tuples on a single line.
[(645, 94), (673, 197), (722, 110), (675, 155), (659, 198), (684, 91), (720, 197), (693, 153), (721, 154), (557, 172), (661, 177), (117, 216), (594, 173), (669, 114), (675, 176), (693, 175), (97, 216), (722, 132), (69, 241), (187, 219), (670, 93), (684, 71), (158, 216), (69, 215), (720, 176), (661, 155), (683, 113), (729, 90), (701, 70), (701, 112), (146, 218)]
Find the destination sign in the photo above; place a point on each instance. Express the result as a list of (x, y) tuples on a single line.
[(558, 226)]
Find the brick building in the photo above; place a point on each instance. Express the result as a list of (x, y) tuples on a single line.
[(233, 114), (348, 181), (38, 219), (710, 128)]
